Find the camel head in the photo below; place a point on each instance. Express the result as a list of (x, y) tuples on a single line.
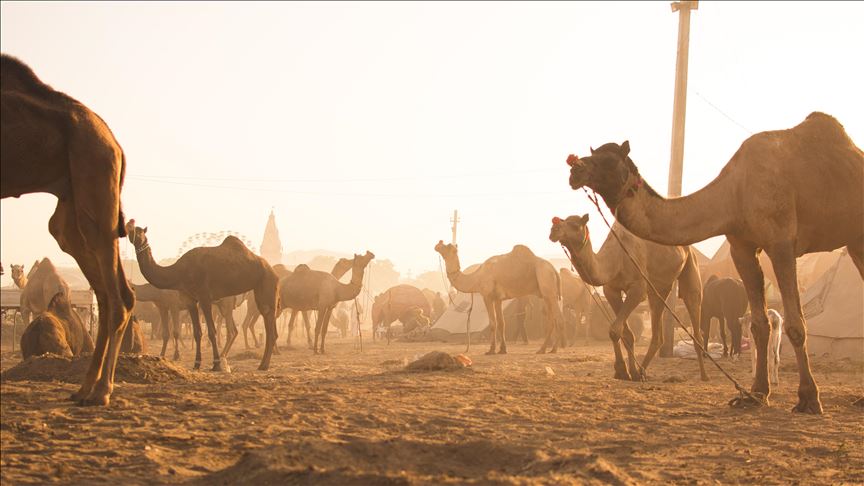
[(360, 262), (447, 250), (571, 232), (608, 171), (17, 272), (138, 236)]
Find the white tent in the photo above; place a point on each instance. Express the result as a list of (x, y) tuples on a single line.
[(834, 309)]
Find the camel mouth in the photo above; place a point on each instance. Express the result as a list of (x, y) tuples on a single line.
[(578, 176)]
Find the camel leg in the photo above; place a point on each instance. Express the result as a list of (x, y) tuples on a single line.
[(490, 311), (266, 298), (307, 327), (249, 324), (207, 310), (95, 249), (722, 321), (164, 328), (705, 326), (174, 314), (325, 322), (499, 317), (690, 290), (552, 331), (196, 333), (735, 331), (617, 304), (783, 260), (231, 332), (747, 264), (291, 327)]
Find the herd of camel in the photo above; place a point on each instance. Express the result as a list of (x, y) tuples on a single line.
[(786, 192)]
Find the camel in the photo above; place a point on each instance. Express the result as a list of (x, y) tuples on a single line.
[(395, 304), (53, 143), (575, 299), (340, 268), (787, 192), (203, 275), (612, 269), (169, 303), (133, 338), (508, 276), (725, 299), (39, 287), (58, 330), (308, 289)]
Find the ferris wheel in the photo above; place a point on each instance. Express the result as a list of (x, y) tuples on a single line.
[(213, 239)]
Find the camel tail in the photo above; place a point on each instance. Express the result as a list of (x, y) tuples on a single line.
[(121, 218)]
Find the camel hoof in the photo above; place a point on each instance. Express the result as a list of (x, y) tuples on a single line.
[(78, 397), (541, 351), (747, 402), (263, 367), (96, 399), (638, 376), (197, 365), (176, 356), (623, 375), (490, 352), (502, 351), (553, 351), (810, 405)]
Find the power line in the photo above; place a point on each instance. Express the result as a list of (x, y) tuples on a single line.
[(355, 194), (712, 105), (347, 180)]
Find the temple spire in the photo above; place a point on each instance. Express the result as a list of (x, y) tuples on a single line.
[(271, 246)]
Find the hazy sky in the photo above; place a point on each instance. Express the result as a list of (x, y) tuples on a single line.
[(364, 125)]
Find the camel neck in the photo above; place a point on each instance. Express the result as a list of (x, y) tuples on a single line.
[(460, 281), (20, 282), (352, 289), (594, 269), (161, 277), (678, 221)]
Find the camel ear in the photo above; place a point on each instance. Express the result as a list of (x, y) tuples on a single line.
[(556, 220), (584, 218), (625, 148), (592, 149), (144, 230)]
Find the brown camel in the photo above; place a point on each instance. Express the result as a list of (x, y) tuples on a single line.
[(575, 299), (205, 274), (396, 303), (58, 330), (133, 338), (39, 287), (340, 268), (508, 276), (788, 192), (308, 289), (169, 303), (53, 143), (612, 269)]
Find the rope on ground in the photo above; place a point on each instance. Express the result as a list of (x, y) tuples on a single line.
[(744, 392)]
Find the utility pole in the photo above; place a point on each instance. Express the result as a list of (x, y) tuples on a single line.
[(676, 160), (455, 221)]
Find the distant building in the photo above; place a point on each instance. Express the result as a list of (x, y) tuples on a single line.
[(271, 246)]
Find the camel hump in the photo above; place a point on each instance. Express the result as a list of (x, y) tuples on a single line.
[(302, 268), (522, 250), (824, 125), (17, 76)]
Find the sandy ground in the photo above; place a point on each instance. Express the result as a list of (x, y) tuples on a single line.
[(352, 418)]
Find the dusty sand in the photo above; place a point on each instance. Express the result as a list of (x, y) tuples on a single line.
[(351, 418)]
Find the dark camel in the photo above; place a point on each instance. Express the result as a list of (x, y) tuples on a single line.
[(308, 289), (53, 143), (787, 192), (395, 304), (205, 274), (169, 303), (612, 269), (340, 268), (726, 300)]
